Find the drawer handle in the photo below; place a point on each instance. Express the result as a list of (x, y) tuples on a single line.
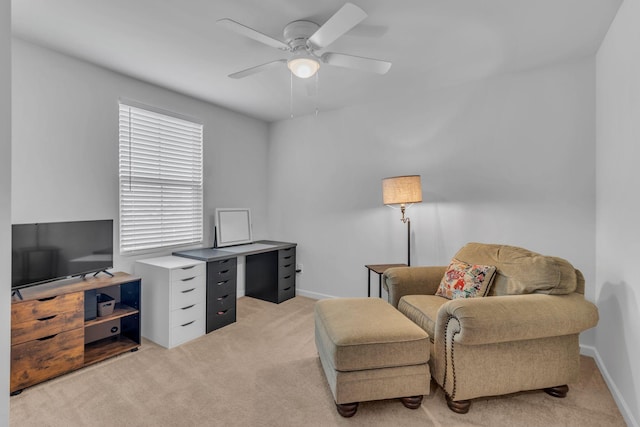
[(287, 277), (188, 268), (188, 307), (222, 283), (188, 323), (286, 289), (188, 290), (48, 298), (189, 278), (222, 312), (223, 272), (287, 257), (286, 250), (288, 265), (47, 338), (42, 319), (224, 261), (223, 297)]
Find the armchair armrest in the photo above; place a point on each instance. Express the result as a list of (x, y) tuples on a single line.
[(401, 281), (516, 317)]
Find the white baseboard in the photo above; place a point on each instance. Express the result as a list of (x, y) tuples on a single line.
[(590, 351), (587, 350), (312, 295)]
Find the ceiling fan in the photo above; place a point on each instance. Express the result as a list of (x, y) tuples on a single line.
[(305, 39)]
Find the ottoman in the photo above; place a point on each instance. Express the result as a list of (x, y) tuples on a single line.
[(370, 351)]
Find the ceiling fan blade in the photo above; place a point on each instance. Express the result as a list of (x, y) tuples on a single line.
[(257, 69), (356, 62), (237, 27), (342, 21)]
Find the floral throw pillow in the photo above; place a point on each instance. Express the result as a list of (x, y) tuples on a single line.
[(462, 280)]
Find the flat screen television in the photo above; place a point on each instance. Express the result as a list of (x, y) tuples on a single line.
[(44, 252)]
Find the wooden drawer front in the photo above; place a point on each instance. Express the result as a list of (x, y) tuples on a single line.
[(287, 293), (287, 257), (187, 332), (38, 309), (36, 361), (196, 270), (46, 326), (187, 293), (221, 302), (223, 264), (220, 318), (188, 314), (222, 287)]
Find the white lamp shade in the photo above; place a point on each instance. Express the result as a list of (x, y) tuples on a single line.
[(303, 67), (401, 190)]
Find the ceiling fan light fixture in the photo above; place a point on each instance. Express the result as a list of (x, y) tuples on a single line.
[(303, 66)]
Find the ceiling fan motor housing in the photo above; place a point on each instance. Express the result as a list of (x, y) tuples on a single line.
[(297, 33)]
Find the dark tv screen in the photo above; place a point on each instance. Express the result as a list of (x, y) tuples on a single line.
[(44, 252)]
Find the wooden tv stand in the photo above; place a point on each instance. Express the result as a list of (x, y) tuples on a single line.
[(53, 330)]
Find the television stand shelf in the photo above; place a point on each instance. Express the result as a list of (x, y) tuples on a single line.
[(105, 348), (53, 329)]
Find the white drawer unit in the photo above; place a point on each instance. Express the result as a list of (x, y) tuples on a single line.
[(184, 294), (174, 305)]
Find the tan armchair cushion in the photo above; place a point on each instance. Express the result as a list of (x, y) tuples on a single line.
[(520, 271), (422, 310)]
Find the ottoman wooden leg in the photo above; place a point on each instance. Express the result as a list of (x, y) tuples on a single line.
[(347, 409), (412, 402)]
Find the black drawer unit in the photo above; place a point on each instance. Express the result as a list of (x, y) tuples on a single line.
[(286, 274), (220, 288), (221, 293), (221, 302), (286, 293), (218, 319), (271, 276)]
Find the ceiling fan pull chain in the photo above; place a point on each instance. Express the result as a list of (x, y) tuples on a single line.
[(317, 78), (291, 94)]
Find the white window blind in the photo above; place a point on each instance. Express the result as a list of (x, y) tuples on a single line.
[(160, 180)]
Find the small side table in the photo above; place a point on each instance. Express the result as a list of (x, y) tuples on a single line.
[(378, 269)]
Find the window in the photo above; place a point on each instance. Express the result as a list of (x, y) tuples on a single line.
[(160, 180)]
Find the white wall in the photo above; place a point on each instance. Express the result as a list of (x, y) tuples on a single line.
[(617, 206), (65, 144), (5, 204), (506, 160)]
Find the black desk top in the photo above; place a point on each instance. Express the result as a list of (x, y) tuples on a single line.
[(215, 254)]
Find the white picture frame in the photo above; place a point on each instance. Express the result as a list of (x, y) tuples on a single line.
[(233, 226)]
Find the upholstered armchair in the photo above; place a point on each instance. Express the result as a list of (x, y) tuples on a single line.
[(518, 332)]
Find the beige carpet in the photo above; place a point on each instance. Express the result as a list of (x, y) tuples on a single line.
[(263, 371)]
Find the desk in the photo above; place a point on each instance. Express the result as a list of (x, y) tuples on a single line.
[(269, 273), (379, 269)]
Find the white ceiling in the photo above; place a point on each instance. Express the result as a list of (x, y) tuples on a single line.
[(432, 43)]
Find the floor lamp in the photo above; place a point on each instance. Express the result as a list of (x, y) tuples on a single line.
[(402, 190)]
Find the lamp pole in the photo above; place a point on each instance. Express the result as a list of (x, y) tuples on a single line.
[(408, 222)]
